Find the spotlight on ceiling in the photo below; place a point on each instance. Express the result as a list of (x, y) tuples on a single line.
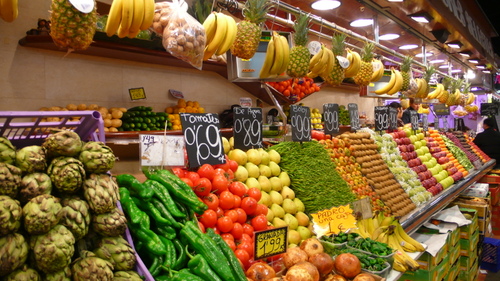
[(443, 66), (421, 17), (454, 44), (361, 22), (323, 5), (441, 35), (456, 70), (388, 36), (487, 71), (466, 54), (408, 47)]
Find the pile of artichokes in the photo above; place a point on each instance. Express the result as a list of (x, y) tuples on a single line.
[(59, 215)]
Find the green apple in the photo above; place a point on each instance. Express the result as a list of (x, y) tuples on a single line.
[(275, 168), (253, 170), (253, 155), (285, 179), (265, 170), (292, 221), (241, 174), (276, 197), (265, 183), (287, 192), (276, 183), (274, 156), (238, 155)]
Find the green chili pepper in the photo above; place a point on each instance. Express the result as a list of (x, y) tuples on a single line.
[(163, 195), (155, 267), (199, 266), (134, 186), (165, 212), (166, 231), (170, 256), (234, 263), (151, 241), (182, 252), (136, 215), (151, 210), (185, 275)]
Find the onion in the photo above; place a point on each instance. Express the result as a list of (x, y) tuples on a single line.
[(323, 262), (347, 265), (293, 256), (335, 277), (260, 271), (297, 274), (311, 246), (313, 271), (363, 277)]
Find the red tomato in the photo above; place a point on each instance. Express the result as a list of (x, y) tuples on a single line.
[(202, 187), (243, 257), (230, 243), (259, 222), (225, 224), (247, 246), (206, 171), (224, 166), (232, 214), (261, 210), (237, 188), (220, 212), (242, 216), (219, 172), (220, 183), (188, 181), (208, 218), (255, 193), (212, 201), (230, 175), (226, 200), (249, 205), (237, 202), (193, 176), (237, 230), (180, 172), (233, 165), (201, 226), (228, 236), (247, 231)]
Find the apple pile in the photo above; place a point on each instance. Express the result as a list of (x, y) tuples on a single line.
[(444, 160), (374, 168), (459, 139), (435, 136), (458, 152)]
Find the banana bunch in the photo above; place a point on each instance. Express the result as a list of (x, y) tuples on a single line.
[(322, 63), (423, 109), (277, 57), (470, 98), (454, 98), (437, 92), (354, 63), (127, 18), (8, 10), (394, 84), (378, 70), (471, 108), (221, 33), (423, 88)]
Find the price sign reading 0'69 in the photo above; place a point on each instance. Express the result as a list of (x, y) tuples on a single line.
[(202, 138), (331, 118), (247, 128), (381, 118), (354, 116), (300, 117)]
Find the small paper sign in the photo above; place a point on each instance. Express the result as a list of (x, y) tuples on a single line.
[(246, 102), (161, 150), (300, 117), (270, 242), (425, 123), (344, 63), (331, 118), (137, 93), (353, 115), (176, 94), (441, 109), (363, 207), (247, 127), (445, 124), (333, 221), (84, 6), (393, 118)]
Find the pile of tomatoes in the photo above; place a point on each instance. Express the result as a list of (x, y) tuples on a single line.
[(233, 209), (295, 89)]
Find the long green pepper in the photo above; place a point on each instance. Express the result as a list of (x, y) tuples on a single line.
[(163, 195), (236, 267), (199, 266)]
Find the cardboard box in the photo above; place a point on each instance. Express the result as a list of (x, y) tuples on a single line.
[(467, 262), (468, 247), (490, 179), (481, 205), (468, 274), (452, 272), (483, 225), (495, 194), (467, 230), (454, 237), (428, 261), (453, 253), (438, 273)]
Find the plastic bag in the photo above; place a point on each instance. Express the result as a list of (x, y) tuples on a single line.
[(184, 37), (161, 17)]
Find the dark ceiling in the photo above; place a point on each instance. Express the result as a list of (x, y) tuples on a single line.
[(492, 11)]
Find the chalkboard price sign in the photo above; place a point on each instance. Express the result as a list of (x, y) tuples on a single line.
[(414, 120), (331, 118), (393, 118), (425, 123), (489, 109), (441, 109), (445, 124), (353, 115), (202, 138), (247, 128), (381, 118), (300, 117)]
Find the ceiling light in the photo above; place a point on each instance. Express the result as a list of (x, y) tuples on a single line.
[(470, 74), (487, 71), (474, 89), (361, 22), (421, 17), (466, 54), (481, 66), (421, 55), (325, 5), (394, 0), (436, 61), (388, 36), (444, 66), (441, 35), (455, 45), (473, 60), (455, 70), (408, 47)]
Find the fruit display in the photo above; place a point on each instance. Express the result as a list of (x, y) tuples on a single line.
[(394, 84), (444, 160), (143, 118), (277, 57), (9, 10), (459, 138), (128, 18), (220, 31), (57, 201), (458, 153), (435, 136), (374, 168), (354, 63), (295, 89), (298, 66), (344, 118), (364, 75), (321, 63), (316, 122), (336, 77)]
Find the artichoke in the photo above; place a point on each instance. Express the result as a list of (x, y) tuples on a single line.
[(31, 159), (75, 216), (113, 223), (101, 192), (10, 179), (97, 157), (89, 267), (33, 185), (24, 273), (10, 215), (66, 173), (117, 251), (62, 143), (7, 151), (52, 251), (41, 214), (61, 275), (126, 276), (13, 253)]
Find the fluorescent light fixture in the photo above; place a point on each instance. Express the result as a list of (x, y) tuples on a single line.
[(473, 60), (361, 22), (456, 70), (470, 74), (408, 47), (436, 61), (466, 54), (474, 89), (423, 17), (481, 66), (388, 36), (444, 66), (422, 55), (394, 0), (455, 45), (487, 71), (323, 5)]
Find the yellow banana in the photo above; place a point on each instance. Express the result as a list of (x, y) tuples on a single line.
[(369, 225), (138, 16), (268, 60), (315, 69), (398, 84), (114, 17), (210, 25), (127, 17), (278, 54), (316, 58), (389, 84), (436, 92), (378, 72), (354, 66), (378, 231), (330, 62), (220, 34), (362, 229), (230, 35), (419, 87), (8, 10), (286, 54), (401, 255), (149, 13), (399, 266)]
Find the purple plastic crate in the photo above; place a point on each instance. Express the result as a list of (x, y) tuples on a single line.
[(24, 128), (490, 257)]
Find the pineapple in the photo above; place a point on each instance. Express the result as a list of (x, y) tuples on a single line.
[(248, 30), (405, 72), (443, 98), (299, 55), (364, 74), (70, 28), (337, 75)]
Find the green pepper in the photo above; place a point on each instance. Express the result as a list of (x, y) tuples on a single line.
[(134, 186), (136, 215), (151, 240), (166, 231), (155, 267), (165, 212), (182, 251), (170, 256), (185, 275), (237, 269), (199, 266), (163, 278), (163, 195), (151, 210)]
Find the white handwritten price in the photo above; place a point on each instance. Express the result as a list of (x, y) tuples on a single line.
[(381, 118), (353, 115), (331, 118), (251, 129), (414, 121), (301, 123), (203, 135)]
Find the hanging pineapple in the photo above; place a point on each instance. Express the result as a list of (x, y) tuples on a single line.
[(429, 71), (71, 29), (299, 55), (443, 98), (337, 75), (364, 75), (248, 30), (405, 72)]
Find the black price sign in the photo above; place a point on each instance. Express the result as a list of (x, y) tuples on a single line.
[(489, 109), (425, 123), (353, 115), (445, 124), (393, 118), (247, 128), (381, 118), (202, 138), (331, 118), (300, 117), (270, 242), (414, 120), (441, 109)]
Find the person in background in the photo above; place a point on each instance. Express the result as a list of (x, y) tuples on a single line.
[(489, 140), (398, 106), (407, 113)]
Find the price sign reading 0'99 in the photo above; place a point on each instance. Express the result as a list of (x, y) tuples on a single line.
[(247, 128), (331, 118), (414, 120), (202, 138), (270, 242), (381, 118), (393, 118), (300, 117), (354, 116)]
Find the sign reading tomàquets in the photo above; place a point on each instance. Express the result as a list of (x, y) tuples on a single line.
[(300, 117), (353, 115), (381, 118), (333, 221), (270, 242), (247, 128), (331, 118), (202, 138)]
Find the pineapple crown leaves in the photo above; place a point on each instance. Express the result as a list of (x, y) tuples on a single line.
[(338, 44), (301, 28), (447, 81), (367, 52), (255, 10), (200, 9), (466, 89), (429, 71), (456, 84), (406, 65)]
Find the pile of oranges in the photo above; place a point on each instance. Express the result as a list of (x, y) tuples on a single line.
[(295, 89), (182, 106)]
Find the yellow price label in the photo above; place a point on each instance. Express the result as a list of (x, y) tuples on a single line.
[(334, 220), (270, 242), (137, 93)]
